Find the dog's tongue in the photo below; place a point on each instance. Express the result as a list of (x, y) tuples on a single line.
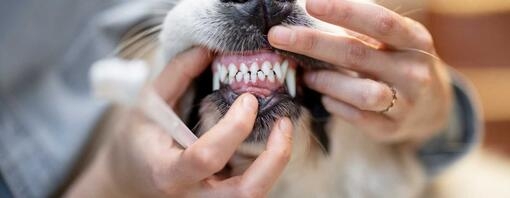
[(260, 73)]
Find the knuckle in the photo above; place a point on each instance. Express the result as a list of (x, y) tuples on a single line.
[(420, 75), (307, 41), (386, 23), (207, 160), (343, 11), (374, 96), (356, 53)]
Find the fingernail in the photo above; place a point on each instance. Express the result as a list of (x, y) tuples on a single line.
[(318, 7), (248, 101), (281, 35), (310, 78)]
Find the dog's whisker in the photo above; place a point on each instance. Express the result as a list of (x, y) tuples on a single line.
[(412, 11)]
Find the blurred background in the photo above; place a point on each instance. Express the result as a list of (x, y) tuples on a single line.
[(473, 36)]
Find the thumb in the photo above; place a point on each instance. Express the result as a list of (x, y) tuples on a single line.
[(179, 73)]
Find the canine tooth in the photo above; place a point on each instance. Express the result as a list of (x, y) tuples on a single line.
[(218, 67), (216, 81), (239, 77), (291, 81), (271, 77), (246, 77), (284, 67), (261, 75), (266, 68), (278, 72), (254, 68), (223, 74), (244, 68)]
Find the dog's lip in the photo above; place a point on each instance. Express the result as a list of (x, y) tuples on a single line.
[(265, 103)]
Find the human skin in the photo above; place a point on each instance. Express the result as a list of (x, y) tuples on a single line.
[(143, 161), (386, 50)]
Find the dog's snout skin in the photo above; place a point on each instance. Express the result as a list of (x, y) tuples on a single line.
[(262, 14)]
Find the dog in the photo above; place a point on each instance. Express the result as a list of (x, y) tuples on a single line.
[(331, 158)]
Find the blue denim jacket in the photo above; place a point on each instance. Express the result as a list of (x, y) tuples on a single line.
[(47, 114)]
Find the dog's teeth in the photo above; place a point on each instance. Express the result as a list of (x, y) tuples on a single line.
[(223, 74), (266, 68), (216, 81), (278, 72), (261, 75), (284, 67), (271, 77), (253, 77), (239, 77), (246, 77), (254, 68), (232, 71), (291, 81), (244, 68)]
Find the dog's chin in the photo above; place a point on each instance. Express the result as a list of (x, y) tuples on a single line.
[(270, 77)]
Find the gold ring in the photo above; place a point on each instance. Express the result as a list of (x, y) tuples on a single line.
[(393, 100)]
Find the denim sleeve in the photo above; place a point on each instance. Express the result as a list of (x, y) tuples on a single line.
[(463, 133)]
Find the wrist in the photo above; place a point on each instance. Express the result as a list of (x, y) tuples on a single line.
[(96, 181)]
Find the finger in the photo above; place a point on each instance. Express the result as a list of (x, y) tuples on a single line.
[(267, 168), (364, 94), (375, 125), (372, 20), (347, 52), (178, 74), (211, 152)]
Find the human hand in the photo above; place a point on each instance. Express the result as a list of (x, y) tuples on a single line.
[(390, 51), (143, 161)]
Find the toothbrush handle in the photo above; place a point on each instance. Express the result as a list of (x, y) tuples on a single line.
[(155, 108)]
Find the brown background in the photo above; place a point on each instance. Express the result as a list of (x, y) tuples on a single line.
[(478, 45)]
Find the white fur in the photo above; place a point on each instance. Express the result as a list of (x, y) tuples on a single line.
[(355, 167)]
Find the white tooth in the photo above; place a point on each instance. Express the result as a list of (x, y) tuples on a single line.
[(291, 82), (223, 74), (253, 77), (266, 68), (284, 67), (218, 67), (232, 71), (278, 72), (244, 68), (239, 77), (246, 77), (216, 81), (254, 68), (271, 77), (261, 75)]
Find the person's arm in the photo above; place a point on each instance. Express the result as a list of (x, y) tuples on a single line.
[(464, 131)]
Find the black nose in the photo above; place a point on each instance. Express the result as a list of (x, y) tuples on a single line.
[(263, 14)]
